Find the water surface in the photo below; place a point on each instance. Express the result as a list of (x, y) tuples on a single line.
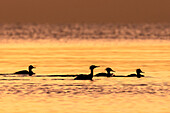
[(52, 56)]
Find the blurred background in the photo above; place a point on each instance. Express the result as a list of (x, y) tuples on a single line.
[(84, 11)]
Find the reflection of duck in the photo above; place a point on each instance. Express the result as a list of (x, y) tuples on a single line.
[(87, 77), (30, 72), (108, 74), (138, 71)]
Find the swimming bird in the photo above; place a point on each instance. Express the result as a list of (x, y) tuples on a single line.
[(138, 71), (108, 74), (29, 72), (87, 77)]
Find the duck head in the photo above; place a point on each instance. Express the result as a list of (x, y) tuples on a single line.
[(139, 71), (109, 69), (93, 66), (31, 67)]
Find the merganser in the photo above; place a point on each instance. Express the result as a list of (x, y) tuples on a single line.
[(30, 72), (87, 77), (108, 74), (138, 71)]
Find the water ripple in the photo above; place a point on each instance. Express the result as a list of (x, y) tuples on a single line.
[(82, 89)]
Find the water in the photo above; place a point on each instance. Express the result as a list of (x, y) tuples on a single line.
[(121, 47)]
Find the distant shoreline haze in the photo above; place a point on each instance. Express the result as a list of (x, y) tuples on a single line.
[(66, 32), (84, 11)]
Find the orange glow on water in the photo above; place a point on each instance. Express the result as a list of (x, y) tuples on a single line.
[(52, 94)]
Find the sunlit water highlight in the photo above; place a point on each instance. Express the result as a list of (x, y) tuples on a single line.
[(23, 94)]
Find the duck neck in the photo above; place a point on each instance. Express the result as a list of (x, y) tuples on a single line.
[(30, 70), (108, 72), (138, 74), (91, 72)]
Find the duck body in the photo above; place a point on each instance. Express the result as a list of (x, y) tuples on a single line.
[(138, 75), (108, 74), (83, 77), (104, 75), (22, 72), (30, 72), (135, 75), (87, 77)]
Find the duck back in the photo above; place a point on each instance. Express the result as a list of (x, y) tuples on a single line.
[(83, 77), (101, 74), (22, 72), (132, 75)]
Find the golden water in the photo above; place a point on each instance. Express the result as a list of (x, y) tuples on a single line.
[(103, 95)]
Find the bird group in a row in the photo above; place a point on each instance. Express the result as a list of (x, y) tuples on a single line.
[(89, 76)]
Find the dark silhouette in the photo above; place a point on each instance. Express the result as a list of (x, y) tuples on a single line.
[(87, 77), (108, 74), (56, 75), (29, 72), (138, 71)]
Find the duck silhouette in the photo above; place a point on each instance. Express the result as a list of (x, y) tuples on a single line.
[(108, 74), (29, 72), (138, 71), (87, 77)]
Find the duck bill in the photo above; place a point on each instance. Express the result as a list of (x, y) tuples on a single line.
[(142, 72), (33, 67), (112, 70), (97, 66)]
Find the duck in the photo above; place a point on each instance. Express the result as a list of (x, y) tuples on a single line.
[(138, 75), (108, 74), (29, 72), (87, 77)]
